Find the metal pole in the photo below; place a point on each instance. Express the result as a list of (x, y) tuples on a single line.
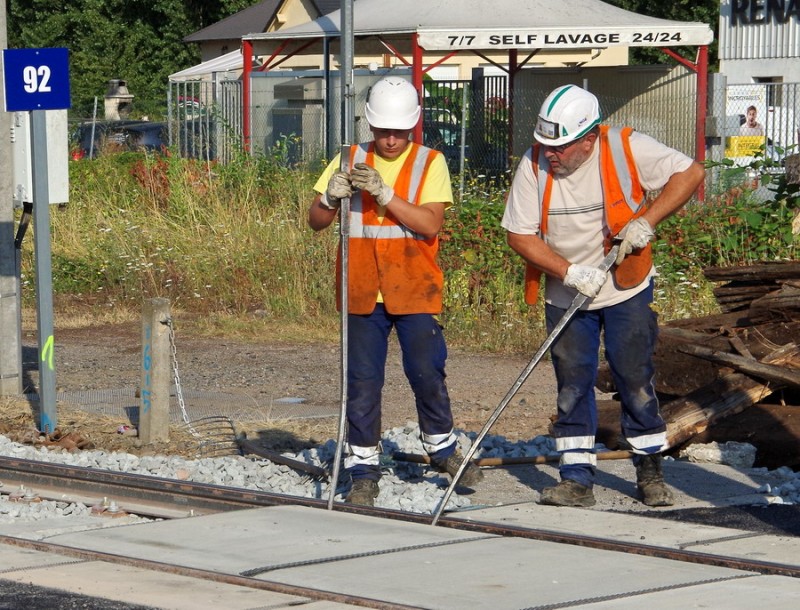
[(577, 303), (346, 61), (44, 273)]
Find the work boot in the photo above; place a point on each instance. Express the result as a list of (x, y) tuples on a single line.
[(363, 492), (471, 476), (650, 481), (567, 493)]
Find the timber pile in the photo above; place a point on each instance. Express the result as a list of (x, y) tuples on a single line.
[(711, 370)]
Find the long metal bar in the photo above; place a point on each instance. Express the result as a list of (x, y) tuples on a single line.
[(577, 303), (344, 259), (346, 43)]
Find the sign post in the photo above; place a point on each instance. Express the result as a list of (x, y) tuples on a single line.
[(37, 80)]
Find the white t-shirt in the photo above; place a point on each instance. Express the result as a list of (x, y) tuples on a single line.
[(576, 225)]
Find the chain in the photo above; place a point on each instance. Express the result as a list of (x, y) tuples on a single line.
[(177, 377)]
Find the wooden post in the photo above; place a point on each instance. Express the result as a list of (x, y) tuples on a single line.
[(156, 367)]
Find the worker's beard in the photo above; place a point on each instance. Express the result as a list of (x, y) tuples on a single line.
[(566, 166)]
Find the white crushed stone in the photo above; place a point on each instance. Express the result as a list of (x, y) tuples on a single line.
[(732, 453), (404, 486)]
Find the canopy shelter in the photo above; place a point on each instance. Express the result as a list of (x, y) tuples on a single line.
[(522, 28), (232, 61)]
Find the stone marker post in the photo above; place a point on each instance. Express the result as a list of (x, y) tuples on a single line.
[(156, 368)]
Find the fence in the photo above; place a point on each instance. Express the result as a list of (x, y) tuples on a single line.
[(474, 122), (755, 120)]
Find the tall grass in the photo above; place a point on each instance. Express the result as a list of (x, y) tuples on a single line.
[(230, 244)]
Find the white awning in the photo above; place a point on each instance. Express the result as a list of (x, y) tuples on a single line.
[(223, 63), (449, 25)]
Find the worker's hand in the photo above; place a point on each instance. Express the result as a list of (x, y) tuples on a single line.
[(368, 179), (338, 187), (585, 279), (636, 234)]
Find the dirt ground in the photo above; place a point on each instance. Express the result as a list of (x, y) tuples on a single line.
[(256, 384), (259, 377)]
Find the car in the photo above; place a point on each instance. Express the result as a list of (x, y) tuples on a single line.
[(446, 137), (93, 138)]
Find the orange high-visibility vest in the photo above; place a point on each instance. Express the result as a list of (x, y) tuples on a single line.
[(624, 200), (388, 256)]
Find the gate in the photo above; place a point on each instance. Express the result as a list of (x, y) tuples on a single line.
[(205, 118)]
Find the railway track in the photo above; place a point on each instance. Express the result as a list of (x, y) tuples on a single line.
[(168, 499)]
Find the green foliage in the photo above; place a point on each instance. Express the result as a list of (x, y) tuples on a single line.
[(139, 41), (702, 11), (227, 240)]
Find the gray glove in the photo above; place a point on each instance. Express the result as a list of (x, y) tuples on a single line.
[(368, 179), (585, 279), (636, 234), (338, 187)]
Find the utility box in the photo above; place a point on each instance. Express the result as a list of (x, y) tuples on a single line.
[(57, 157), (306, 89)]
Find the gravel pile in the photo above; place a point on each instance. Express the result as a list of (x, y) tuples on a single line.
[(404, 486)]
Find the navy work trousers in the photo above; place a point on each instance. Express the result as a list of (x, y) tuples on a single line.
[(423, 352), (630, 331)]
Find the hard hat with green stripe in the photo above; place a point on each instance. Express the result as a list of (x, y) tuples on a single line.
[(568, 113)]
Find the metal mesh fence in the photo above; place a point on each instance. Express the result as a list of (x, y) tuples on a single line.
[(480, 124), (757, 120)]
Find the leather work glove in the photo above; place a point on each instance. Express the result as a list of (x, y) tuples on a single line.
[(636, 234), (368, 179), (585, 279), (338, 187)]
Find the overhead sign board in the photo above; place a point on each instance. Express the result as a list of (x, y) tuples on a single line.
[(36, 79), (557, 38)]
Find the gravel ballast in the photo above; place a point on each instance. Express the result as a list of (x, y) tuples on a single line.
[(404, 486)]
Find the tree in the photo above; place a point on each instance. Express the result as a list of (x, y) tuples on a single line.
[(139, 41), (703, 11)]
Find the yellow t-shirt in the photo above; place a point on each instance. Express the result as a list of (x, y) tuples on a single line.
[(437, 187)]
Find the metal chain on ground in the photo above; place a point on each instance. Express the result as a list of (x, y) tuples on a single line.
[(177, 377)]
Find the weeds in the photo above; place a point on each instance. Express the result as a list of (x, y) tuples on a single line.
[(229, 243)]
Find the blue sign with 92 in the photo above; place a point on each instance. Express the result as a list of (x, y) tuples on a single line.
[(36, 79)]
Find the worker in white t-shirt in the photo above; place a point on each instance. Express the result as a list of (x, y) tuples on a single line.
[(578, 190)]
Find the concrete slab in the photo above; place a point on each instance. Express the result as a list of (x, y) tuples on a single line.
[(773, 592), (401, 563), (502, 574), (41, 529), (273, 537), (152, 588), (644, 530), (18, 558)]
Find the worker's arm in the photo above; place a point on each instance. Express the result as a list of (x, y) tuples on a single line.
[(535, 251), (676, 192), (424, 219), (319, 216)]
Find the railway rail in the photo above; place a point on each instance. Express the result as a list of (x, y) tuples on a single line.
[(169, 498)]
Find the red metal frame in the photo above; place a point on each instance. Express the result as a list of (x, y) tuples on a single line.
[(699, 67)]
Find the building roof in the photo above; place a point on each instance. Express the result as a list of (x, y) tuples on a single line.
[(252, 19), (449, 25)]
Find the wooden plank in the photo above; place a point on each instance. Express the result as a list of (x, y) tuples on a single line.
[(783, 270), (728, 395), (785, 374)]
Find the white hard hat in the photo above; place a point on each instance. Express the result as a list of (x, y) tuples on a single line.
[(568, 113), (393, 104)]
